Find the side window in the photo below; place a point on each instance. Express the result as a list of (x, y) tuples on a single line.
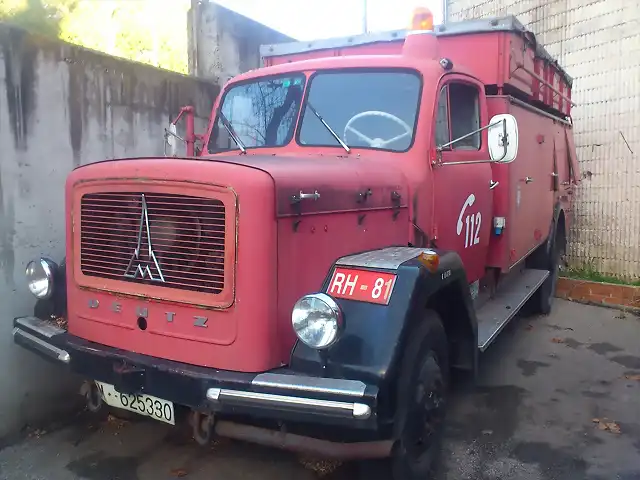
[(442, 118), (464, 106), (458, 114)]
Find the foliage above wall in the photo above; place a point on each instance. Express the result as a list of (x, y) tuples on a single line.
[(147, 31)]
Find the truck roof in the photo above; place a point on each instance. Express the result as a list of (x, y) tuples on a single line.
[(527, 67), (508, 23)]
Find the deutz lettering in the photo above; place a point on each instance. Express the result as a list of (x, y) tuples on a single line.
[(140, 311)]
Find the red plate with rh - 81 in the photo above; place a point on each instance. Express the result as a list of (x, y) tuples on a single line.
[(362, 285)]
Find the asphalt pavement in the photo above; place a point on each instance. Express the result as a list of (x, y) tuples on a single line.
[(558, 398)]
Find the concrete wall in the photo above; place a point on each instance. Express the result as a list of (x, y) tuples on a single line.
[(598, 42), (224, 43), (62, 106)]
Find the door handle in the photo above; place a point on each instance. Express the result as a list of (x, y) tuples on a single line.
[(528, 179), (305, 196)]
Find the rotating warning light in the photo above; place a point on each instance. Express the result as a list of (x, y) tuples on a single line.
[(422, 19)]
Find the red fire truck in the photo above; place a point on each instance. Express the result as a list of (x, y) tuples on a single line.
[(361, 218)]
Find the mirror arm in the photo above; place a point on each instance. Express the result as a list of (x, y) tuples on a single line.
[(439, 149)]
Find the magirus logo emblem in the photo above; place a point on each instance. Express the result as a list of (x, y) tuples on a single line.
[(139, 267)]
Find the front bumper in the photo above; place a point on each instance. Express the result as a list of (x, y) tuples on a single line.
[(281, 394)]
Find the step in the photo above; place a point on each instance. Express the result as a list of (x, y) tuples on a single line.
[(494, 315)]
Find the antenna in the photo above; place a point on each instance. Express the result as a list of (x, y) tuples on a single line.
[(365, 27)]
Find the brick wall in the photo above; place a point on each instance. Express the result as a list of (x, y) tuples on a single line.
[(598, 42)]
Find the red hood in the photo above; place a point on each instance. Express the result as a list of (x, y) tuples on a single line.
[(343, 183)]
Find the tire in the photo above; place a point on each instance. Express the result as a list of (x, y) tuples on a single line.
[(542, 301), (421, 401)]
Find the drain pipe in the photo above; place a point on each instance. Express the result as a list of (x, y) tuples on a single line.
[(445, 11)]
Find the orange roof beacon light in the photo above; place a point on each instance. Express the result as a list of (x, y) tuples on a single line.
[(422, 19)]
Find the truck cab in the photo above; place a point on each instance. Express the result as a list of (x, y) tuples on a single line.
[(361, 217)]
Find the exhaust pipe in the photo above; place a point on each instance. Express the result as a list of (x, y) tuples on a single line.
[(305, 445)]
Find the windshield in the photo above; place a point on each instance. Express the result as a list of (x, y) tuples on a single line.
[(371, 109), (261, 114)]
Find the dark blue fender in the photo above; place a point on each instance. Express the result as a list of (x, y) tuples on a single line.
[(371, 346)]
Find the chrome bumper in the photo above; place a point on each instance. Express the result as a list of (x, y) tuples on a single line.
[(304, 395), (23, 333)]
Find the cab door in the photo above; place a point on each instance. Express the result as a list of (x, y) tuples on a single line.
[(463, 200)]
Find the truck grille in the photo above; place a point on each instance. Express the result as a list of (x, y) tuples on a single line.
[(175, 241)]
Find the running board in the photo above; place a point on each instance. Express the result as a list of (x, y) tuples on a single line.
[(494, 315)]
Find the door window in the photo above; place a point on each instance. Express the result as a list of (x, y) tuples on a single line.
[(458, 115)]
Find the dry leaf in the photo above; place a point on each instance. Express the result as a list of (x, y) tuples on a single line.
[(613, 427), (607, 425), (557, 340), (321, 467), (528, 328), (179, 472)]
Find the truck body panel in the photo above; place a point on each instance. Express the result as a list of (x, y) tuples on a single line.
[(512, 61)]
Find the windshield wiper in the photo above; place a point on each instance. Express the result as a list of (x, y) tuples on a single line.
[(326, 125), (232, 133)]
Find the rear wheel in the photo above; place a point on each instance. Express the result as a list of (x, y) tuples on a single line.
[(549, 259), (422, 394)]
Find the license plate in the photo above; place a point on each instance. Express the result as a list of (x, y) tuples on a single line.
[(362, 285), (142, 404)]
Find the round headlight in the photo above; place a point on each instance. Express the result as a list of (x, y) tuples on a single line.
[(317, 320), (39, 275)]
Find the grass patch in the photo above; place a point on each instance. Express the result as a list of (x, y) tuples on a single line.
[(588, 272)]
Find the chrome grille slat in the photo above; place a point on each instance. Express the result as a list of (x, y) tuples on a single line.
[(187, 238)]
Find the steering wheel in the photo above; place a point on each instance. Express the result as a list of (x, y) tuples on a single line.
[(376, 142)]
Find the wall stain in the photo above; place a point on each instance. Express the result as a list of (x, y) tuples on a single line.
[(77, 107), (20, 57)]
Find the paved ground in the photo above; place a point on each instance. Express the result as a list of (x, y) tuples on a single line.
[(558, 398)]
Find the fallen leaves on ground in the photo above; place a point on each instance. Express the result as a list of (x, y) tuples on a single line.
[(116, 422), (321, 467), (59, 322), (557, 340), (37, 433), (607, 425), (179, 472)]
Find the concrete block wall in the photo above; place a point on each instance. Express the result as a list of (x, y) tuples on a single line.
[(598, 42), (224, 44), (62, 106)]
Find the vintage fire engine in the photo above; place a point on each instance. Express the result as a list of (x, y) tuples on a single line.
[(362, 217)]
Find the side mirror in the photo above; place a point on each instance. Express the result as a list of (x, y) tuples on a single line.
[(503, 138), (171, 138)]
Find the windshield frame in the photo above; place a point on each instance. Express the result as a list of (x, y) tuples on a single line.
[(382, 69), (216, 118)]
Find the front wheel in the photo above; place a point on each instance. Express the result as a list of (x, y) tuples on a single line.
[(422, 393)]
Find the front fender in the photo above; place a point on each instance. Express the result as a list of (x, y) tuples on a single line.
[(374, 335)]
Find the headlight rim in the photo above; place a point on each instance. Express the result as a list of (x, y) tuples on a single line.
[(338, 315), (49, 268)]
